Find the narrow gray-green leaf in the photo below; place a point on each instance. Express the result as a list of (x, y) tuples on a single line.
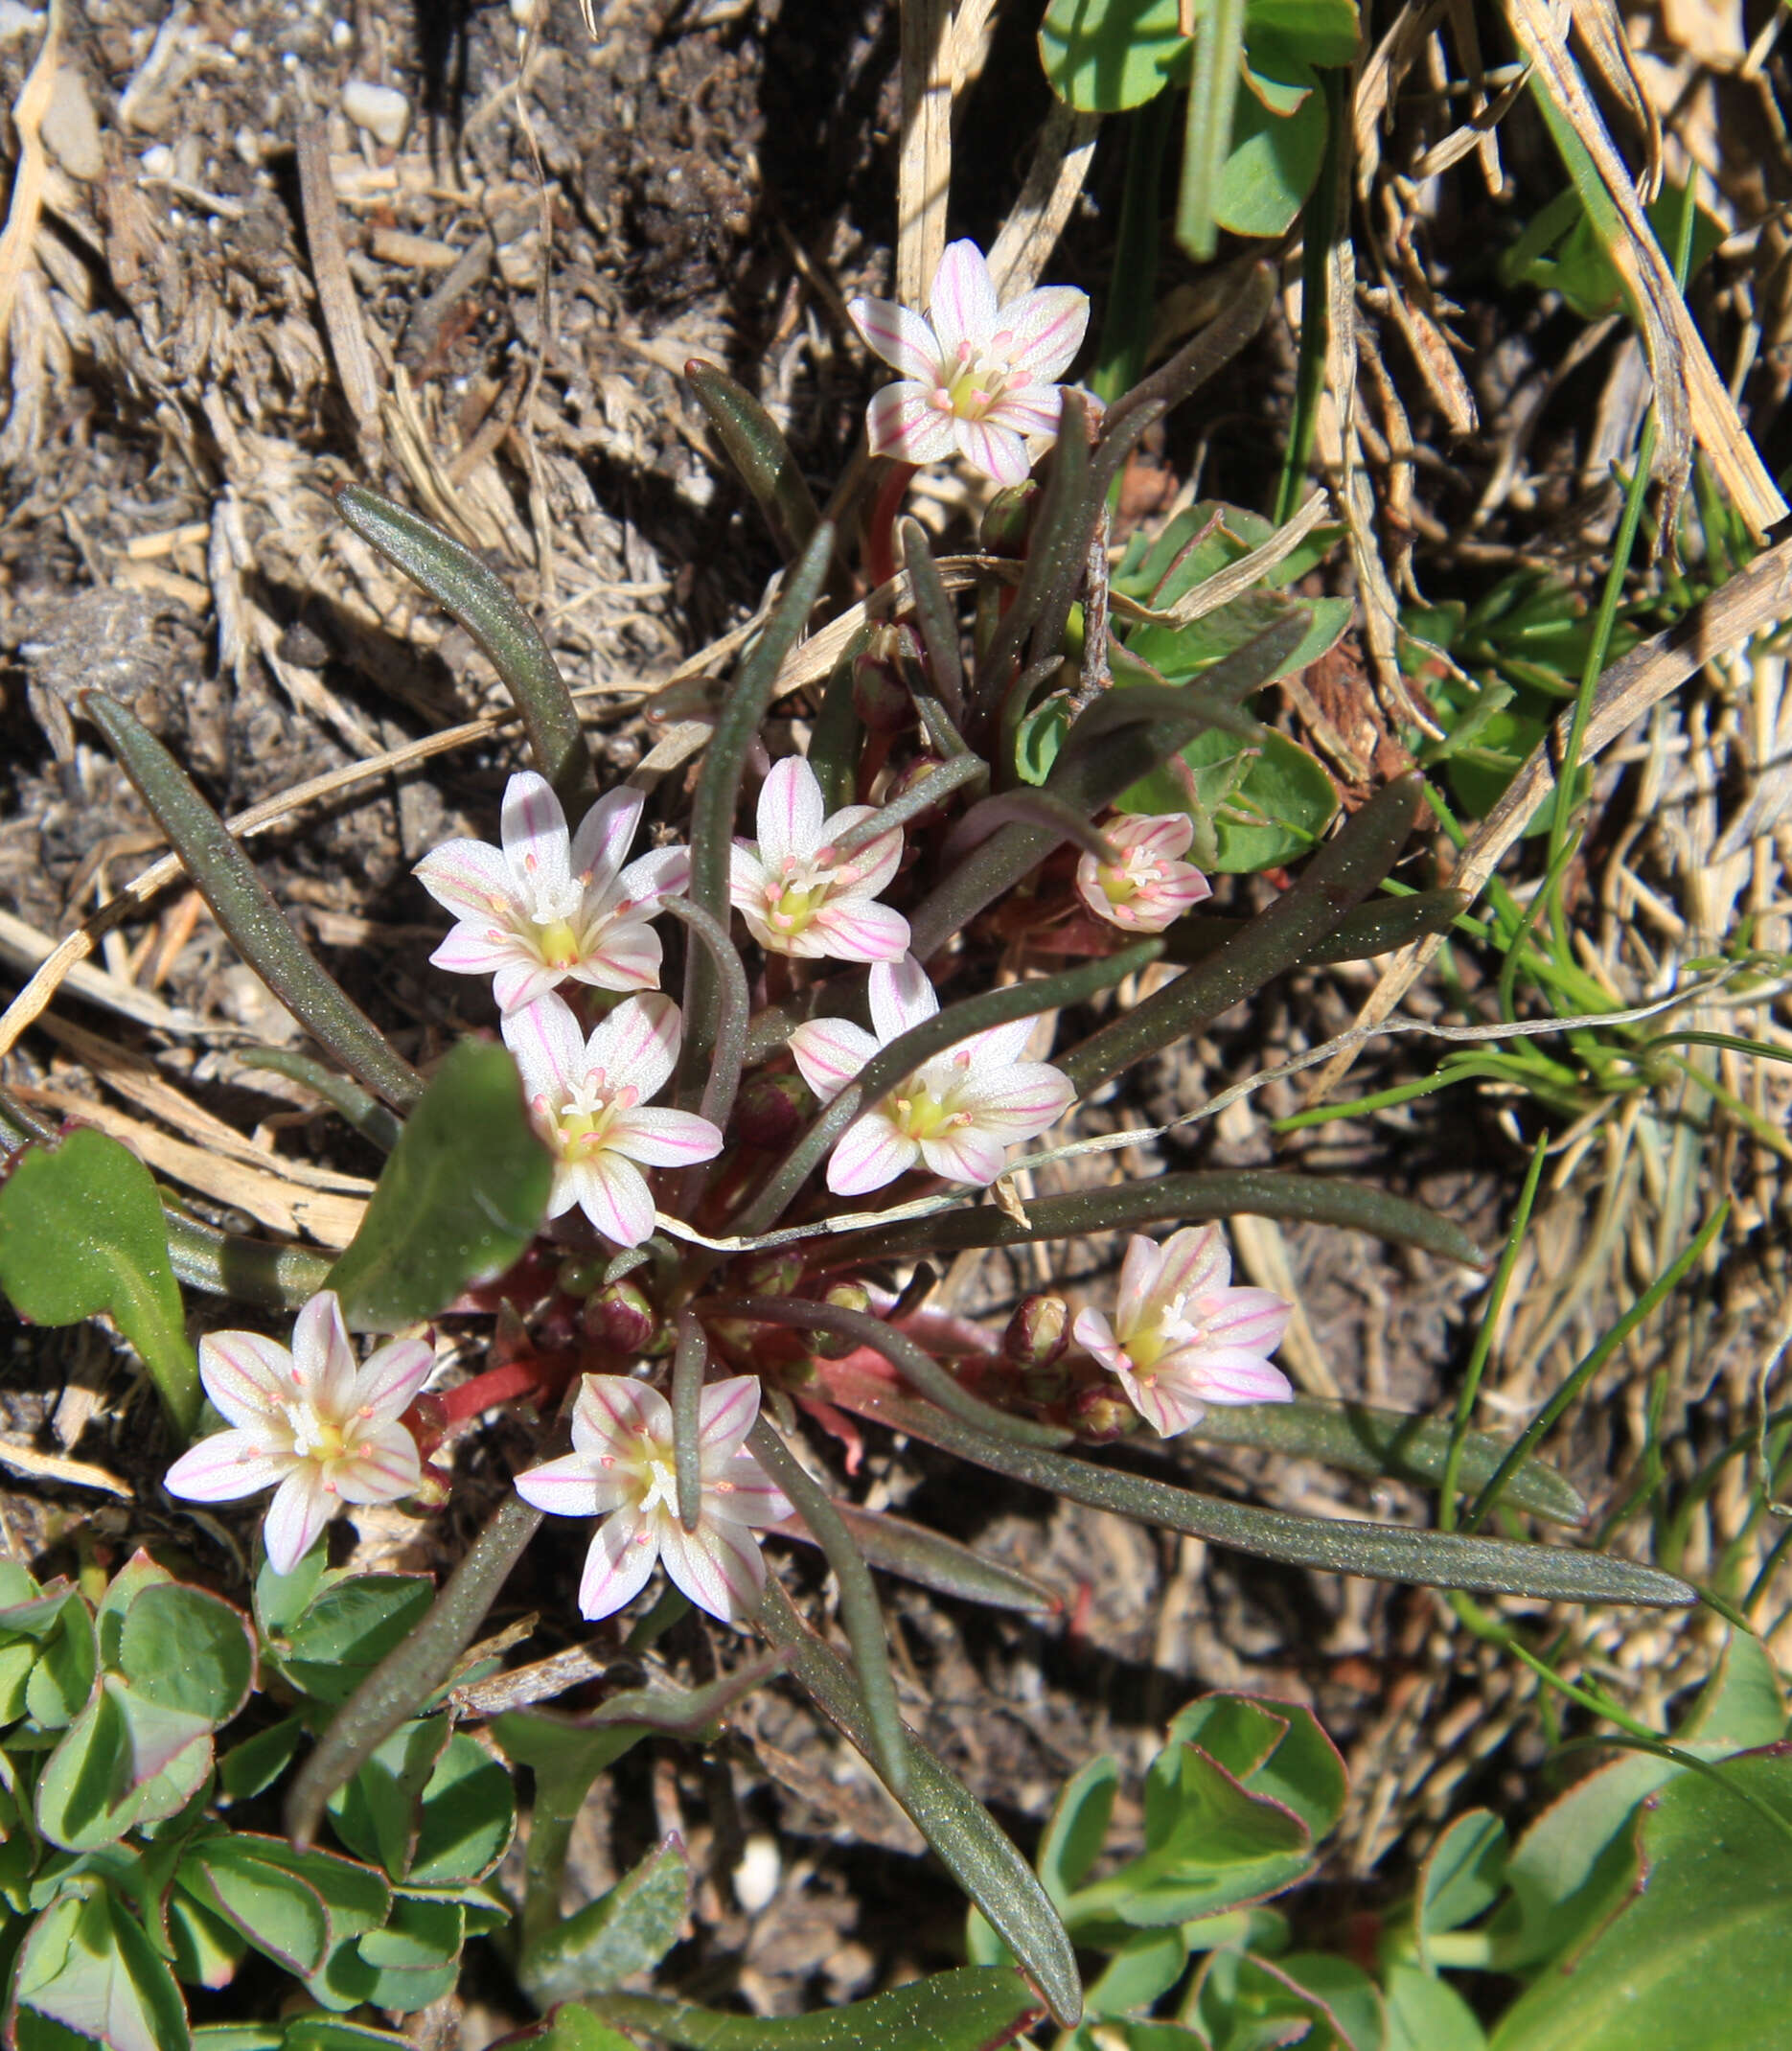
[(971, 1845), (351, 1103), (249, 1271), (935, 613), (913, 1553), (462, 1194), (1201, 1194), (244, 907), (752, 442), (482, 602)]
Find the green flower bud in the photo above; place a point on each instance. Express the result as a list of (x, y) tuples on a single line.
[(1037, 1332)]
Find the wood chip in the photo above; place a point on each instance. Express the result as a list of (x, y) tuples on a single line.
[(21, 1458), (335, 288)]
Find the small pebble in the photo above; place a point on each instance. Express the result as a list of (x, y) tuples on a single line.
[(157, 161), (341, 35), (382, 110), (756, 1878)]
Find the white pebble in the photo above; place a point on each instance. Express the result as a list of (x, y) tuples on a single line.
[(157, 161), (382, 110), (341, 35), (757, 1876)]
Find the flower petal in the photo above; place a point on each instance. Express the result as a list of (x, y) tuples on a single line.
[(566, 1488), (725, 1412), (1225, 1374), (853, 930), (1032, 409), (524, 981), (791, 813), (743, 1494), (1163, 833), (664, 1139), (613, 1194), (533, 829), (323, 1361), (830, 1053), (1093, 1332), (967, 1154), (999, 452), (638, 1046), (382, 1468), (871, 1152), (247, 1375), (622, 1556), (549, 1049), (613, 1415), (664, 872), (1195, 1262), (482, 950), (605, 835), (902, 422), (961, 300), (1167, 1406), (901, 996), (718, 1566), (1017, 1102), (998, 1048), (866, 873), (301, 1508), (898, 335), (389, 1378), (226, 1465), (1138, 1275), (1040, 332), (472, 879), (1256, 1319), (625, 954)]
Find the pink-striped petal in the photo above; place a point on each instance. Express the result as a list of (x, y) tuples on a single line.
[(522, 982), (1040, 332), (301, 1508), (613, 1415), (569, 1487), (323, 1361), (638, 1046), (961, 300), (902, 422), (383, 1467), (1167, 1406), (725, 1412), (622, 1556), (899, 335), (564, 1192), (743, 1493), (1195, 1262), (790, 816), (852, 929), (226, 1466), (645, 885), (533, 829), (747, 877), (605, 835), (628, 956), (1225, 1374), (830, 1053), (871, 1152), (967, 1154), (1093, 1332), (549, 1049), (664, 1139), (1033, 409), (1017, 1102), (1000, 1047), (1164, 832), (246, 1377), (471, 950), (471, 878), (999, 452), (391, 1377), (1256, 1319), (866, 873), (613, 1194), (718, 1566), (1138, 1275), (901, 996)]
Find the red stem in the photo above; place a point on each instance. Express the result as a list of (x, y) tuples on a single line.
[(881, 531)]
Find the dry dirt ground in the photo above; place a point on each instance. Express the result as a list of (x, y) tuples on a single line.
[(555, 225)]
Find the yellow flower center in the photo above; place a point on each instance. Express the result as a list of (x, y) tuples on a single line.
[(557, 944), (796, 906)]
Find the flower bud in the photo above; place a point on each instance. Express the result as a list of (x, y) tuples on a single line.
[(620, 1318), (1037, 1332), (842, 1295), (771, 1274), (583, 1273), (1045, 1386), (1101, 1413), (880, 696), (922, 767), (1006, 519), (771, 1111)]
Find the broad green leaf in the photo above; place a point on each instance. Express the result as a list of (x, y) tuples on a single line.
[(1246, 2003), (1462, 1876), (1105, 56), (378, 1813), (350, 1627), (328, 2033), (15, 1664), (572, 2028), (1279, 124), (1323, 32), (413, 1961), (967, 2009), (170, 1753), (81, 1232), (1426, 2013), (457, 1203), (87, 1966), (1348, 1992), (281, 1600), (205, 1952), (84, 1793), (277, 1912), (239, 2037), (1295, 1762), (1078, 1826), (183, 1649), (1146, 1966), (468, 1817), (627, 1930), (1698, 1952), (1181, 655), (253, 1766)]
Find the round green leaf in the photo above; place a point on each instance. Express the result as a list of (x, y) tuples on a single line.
[(1278, 143), (182, 1649), (1268, 802)]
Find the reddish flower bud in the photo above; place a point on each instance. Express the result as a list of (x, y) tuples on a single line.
[(880, 696), (1037, 1332), (1102, 1412), (771, 1111), (621, 1318), (1006, 519)]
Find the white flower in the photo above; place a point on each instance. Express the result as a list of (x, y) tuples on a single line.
[(977, 378), (797, 894), (1148, 887), (1182, 1337), (308, 1424), (960, 1112), (545, 908), (621, 1470), (588, 1100)]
